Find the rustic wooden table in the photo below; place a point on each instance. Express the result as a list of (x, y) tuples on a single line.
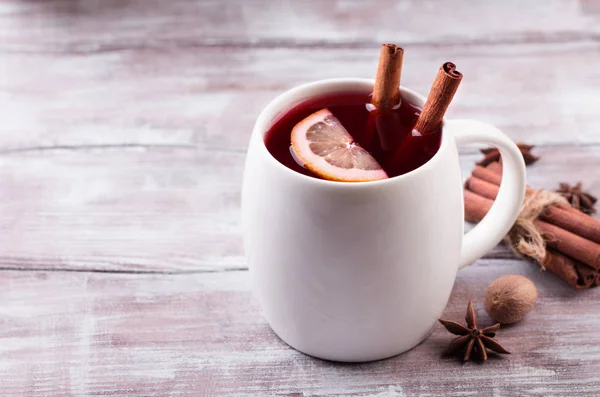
[(123, 129)]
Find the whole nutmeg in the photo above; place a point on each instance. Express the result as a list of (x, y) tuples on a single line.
[(509, 298)]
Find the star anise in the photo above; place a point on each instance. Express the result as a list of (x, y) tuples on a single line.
[(492, 154), (471, 338), (578, 199)]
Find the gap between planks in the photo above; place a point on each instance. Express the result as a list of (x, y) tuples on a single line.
[(467, 150), (494, 257), (124, 271), (95, 147), (170, 45)]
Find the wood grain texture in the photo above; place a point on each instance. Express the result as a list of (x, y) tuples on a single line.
[(162, 210), (210, 97), (123, 130), (109, 25), (79, 334), (141, 210)]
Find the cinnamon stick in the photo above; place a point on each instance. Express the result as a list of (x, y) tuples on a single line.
[(482, 187), (496, 167), (570, 244), (573, 245), (384, 121), (476, 206), (486, 182), (576, 222), (488, 175), (493, 174), (577, 274), (444, 87), (386, 93), (573, 272)]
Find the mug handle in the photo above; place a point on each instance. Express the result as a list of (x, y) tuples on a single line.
[(503, 214)]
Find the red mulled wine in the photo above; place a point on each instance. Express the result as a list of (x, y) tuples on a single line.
[(388, 136)]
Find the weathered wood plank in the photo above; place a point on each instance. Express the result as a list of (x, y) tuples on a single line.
[(211, 97), (140, 210), (74, 334), (93, 25), (160, 209), (123, 126)]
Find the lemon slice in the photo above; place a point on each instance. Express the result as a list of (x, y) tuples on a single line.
[(322, 144)]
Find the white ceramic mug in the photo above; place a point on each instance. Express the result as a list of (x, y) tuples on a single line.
[(362, 271)]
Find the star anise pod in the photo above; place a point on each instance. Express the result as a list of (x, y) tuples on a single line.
[(578, 199), (492, 154), (471, 338)]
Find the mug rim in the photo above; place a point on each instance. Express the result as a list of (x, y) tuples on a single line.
[(283, 103)]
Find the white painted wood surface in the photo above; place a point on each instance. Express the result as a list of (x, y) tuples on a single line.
[(88, 333), (209, 97), (108, 25), (123, 126)]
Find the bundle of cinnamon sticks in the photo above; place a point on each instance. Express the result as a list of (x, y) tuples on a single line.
[(572, 238)]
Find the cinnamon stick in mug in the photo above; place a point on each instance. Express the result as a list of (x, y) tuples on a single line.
[(442, 91), (426, 133), (386, 96), (386, 93)]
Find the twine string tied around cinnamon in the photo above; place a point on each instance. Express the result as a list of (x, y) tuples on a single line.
[(525, 238)]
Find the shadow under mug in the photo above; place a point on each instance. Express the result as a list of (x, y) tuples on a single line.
[(361, 271)]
